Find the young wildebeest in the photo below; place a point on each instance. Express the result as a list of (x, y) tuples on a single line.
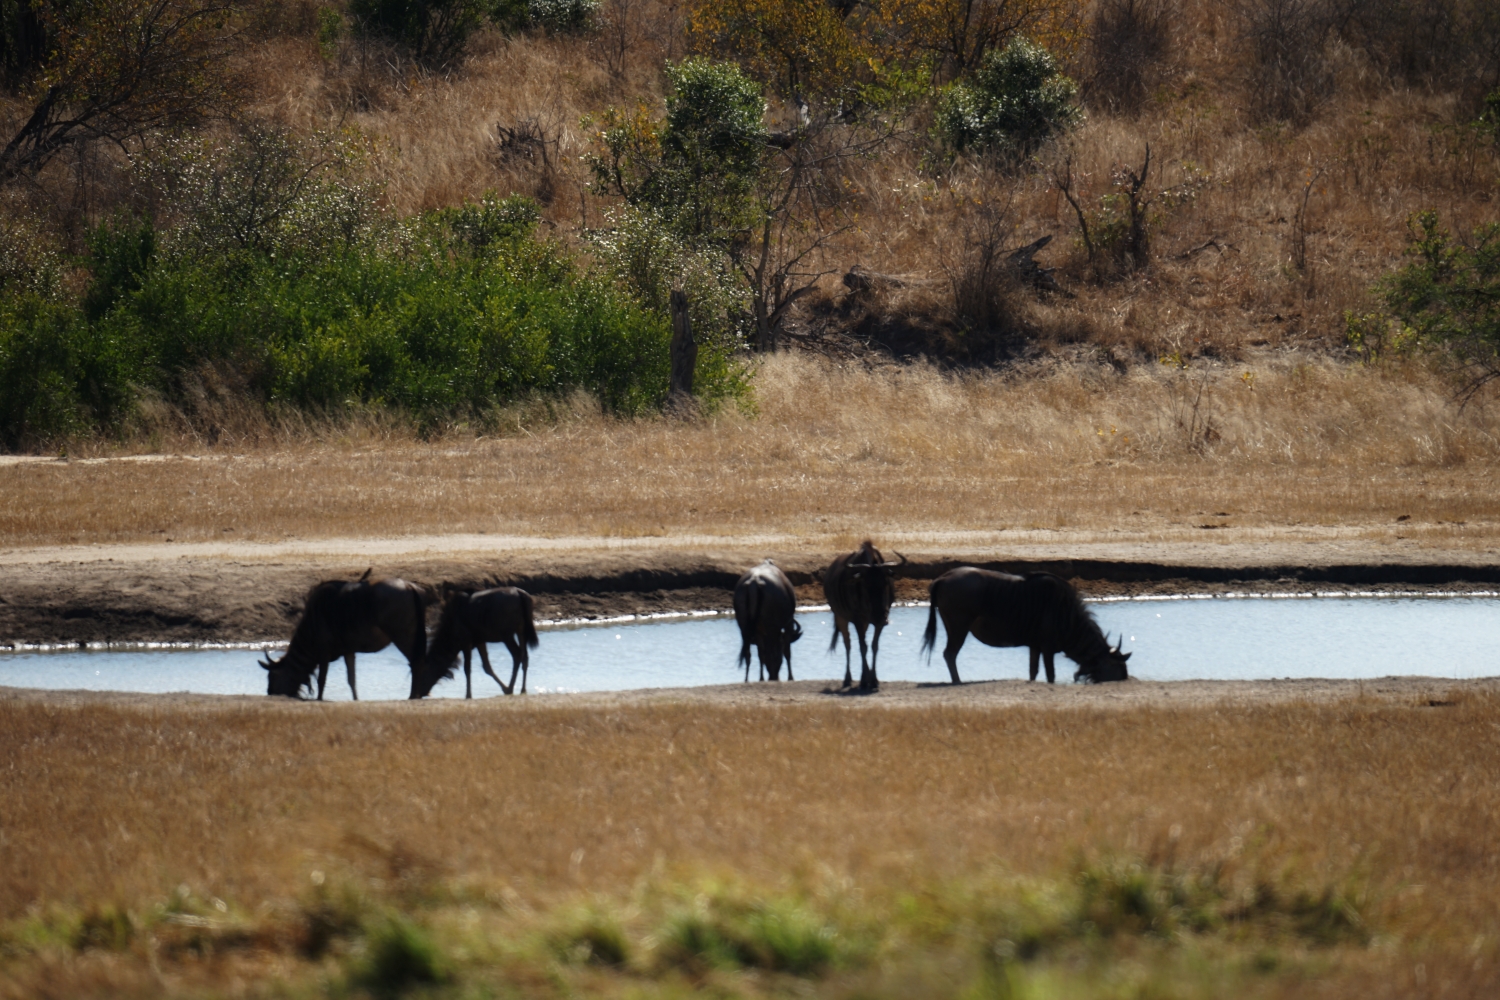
[(1038, 610), (503, 614), (342, 618), (765, 608), (860, 592)]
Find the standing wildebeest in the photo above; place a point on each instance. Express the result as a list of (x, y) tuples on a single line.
[(860, 592), (343, 618), (1038, 610), (765, 608), (469, 619)]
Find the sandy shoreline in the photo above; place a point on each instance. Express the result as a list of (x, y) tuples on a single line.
[(1413, 692)]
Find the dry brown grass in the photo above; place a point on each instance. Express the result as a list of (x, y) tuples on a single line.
[(524, 811), (1274, 443), (1378, 148)]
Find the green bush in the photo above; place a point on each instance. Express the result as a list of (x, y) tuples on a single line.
[(695, 169), (558, 16), (649, 258), (119, 256), (62, 377), (1014, 102), (1447, 298), (435, 31)]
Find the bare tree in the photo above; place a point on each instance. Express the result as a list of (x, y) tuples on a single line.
[(121, 70), (801, 209)]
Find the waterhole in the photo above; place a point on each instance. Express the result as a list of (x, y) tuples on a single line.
[(1171, 639)]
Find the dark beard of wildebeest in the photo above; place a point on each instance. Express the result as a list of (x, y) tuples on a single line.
[(1039, 611), (469, 620), (765, 608), (860, 591), (342, 618)]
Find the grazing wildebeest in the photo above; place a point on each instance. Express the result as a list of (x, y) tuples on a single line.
[(342, 618), (1038, 610), (765, 608), (860, 591), (471, 619)]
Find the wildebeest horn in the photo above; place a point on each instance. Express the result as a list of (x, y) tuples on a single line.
[(366, 575)]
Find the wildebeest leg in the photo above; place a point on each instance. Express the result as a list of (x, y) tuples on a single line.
[(484, 661), (956, 637), (1036, 660), (841, 627), (1051, 668), (468, 677), (349, 669), (519, 661), (322, 680), (874, 652), (864, 659)]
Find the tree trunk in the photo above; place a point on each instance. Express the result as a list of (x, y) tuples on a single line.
[(684, 349)]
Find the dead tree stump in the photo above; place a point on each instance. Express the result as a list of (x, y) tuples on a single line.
[(684, 352)]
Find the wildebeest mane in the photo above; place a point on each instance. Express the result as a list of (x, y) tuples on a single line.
[(446, 646), (1048, 597)]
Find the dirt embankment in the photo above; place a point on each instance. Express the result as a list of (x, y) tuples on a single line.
[(93, 596)]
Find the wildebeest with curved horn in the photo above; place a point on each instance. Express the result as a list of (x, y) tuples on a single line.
[(341, 618), (860, 592), (765, 608), (1039, 610), (471, 619)]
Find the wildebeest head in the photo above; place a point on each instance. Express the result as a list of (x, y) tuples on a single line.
[(282, 680), (1107, 666), (869, 568)]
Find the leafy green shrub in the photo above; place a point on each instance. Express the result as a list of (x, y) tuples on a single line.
[(1013, 102), (264, 192), (435, 31), (1447, 297), (649, 258), (697, 167), (558, 16), (491, 223), (119, 255), (62, 377)]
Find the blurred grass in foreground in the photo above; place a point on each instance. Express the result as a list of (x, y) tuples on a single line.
[(244, 847), (1106, 927)]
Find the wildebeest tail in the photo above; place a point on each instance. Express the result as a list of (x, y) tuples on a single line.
[(929, 637), (528, 627)]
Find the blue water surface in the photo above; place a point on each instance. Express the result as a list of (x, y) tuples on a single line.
[(1211, 639)]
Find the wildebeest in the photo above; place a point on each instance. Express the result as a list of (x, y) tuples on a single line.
[(1038, 610), (342, 618), (471, 619), (860, 591), (765, 608)]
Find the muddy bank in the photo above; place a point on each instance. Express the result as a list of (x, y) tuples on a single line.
[(245, 600)]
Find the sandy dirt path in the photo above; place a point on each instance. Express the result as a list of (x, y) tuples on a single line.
[(237, 591)]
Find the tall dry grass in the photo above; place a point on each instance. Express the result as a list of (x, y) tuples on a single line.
[(832, 448), (161, 848)]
